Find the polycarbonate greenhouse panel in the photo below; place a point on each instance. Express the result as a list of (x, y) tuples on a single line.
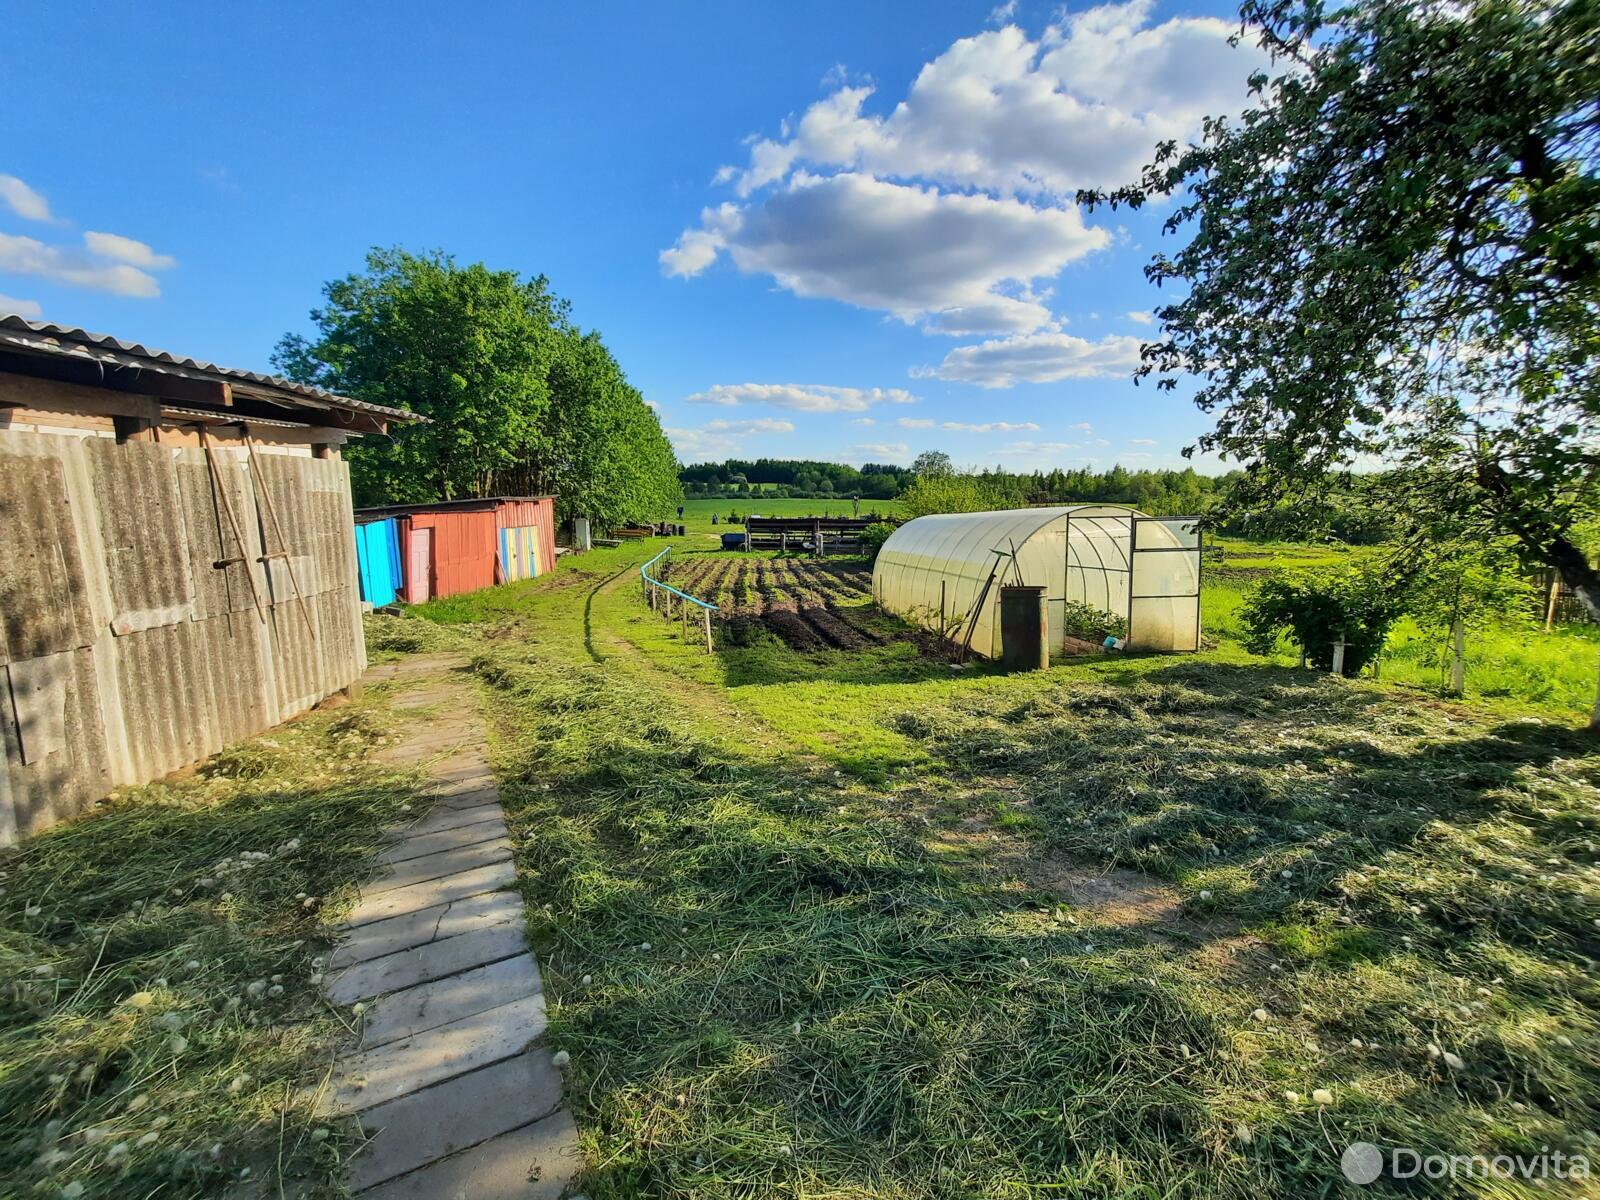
[(1111, 558)]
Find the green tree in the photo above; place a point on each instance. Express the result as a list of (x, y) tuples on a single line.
[(932, 494), (467, 347), (1396, 252), (607, 458), (518, 399), (931, 464)]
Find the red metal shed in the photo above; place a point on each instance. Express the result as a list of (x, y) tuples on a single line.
[(457, 546)]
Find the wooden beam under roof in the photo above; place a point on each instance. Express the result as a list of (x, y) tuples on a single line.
[(185, 389)]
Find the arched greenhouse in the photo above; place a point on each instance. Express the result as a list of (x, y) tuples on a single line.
[(1105, 569)]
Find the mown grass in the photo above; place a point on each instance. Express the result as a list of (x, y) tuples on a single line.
[(161, 1018), (819, 936)]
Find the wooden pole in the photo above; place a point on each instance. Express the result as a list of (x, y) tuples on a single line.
[(1458, 656), (1550, 607), (277, 529), (706, 613), (1338, 658), (227, 507)]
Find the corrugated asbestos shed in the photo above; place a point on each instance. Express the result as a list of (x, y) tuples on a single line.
[(177, 568), (460, 546)]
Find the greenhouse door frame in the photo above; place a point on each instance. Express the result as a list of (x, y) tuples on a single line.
[(1197, 550), (1103, 567)]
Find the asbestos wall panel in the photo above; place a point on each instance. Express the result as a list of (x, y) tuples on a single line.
[(41, 789), (44, 601), (211, 534), (142, 528), (138, 655)]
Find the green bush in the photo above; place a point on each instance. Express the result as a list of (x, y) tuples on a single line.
[(1355, 607), (874, 536)]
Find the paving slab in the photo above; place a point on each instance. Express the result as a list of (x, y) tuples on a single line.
[(456, 776), (434, 891), (371, 1077), (432, 960), (536, 1162), (426, 926), (438, 865), (476, 793), (415, 1130), (448, 817), (458, 1099), (414, 1010), (419, 845)]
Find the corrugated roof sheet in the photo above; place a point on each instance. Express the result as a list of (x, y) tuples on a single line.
[(68, 340), (469, 503)]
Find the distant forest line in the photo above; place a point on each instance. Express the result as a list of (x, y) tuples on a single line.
[(1345, 511)]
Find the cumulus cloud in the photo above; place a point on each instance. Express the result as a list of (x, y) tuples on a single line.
[(991, 427), (11, 306), (1037, 358), (1142, 442), (801, 397), (755, 425), (913, 251), (1041, 452), (1141, 317), (864, 421), (915, 423), (23, 200), (29, 256), (1083, 105), (945, 206), (125, 249), (722, 438), (882, 450)]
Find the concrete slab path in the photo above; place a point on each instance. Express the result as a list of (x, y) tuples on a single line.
[(450, 1081)]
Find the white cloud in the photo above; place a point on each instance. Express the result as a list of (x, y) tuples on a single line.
[(722, 438), (883, 449), (23, 200), (1082, 427), (124, 249), (1039, 451), (801, 397), (755, 425), (1001, 13), (1142, 442), (946, 207), (1084, 105), (991, 427), (956, 260), (1140, 317), (915, 423), (1037, 358), (28, 256), (863, 421), (11, 306)]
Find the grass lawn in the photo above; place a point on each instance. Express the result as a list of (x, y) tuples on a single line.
[(162, 1016), (851, 924)]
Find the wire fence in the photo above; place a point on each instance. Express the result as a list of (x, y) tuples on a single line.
[(663, 598)]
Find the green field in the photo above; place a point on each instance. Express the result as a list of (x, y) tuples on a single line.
[(697, 513), (855, 924)]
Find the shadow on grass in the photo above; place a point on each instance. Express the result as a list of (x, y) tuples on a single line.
[(786, 990)]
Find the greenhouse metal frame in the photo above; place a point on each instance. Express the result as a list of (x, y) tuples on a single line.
[(945, 572)]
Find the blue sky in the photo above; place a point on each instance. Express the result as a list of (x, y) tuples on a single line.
[(832, 229)]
